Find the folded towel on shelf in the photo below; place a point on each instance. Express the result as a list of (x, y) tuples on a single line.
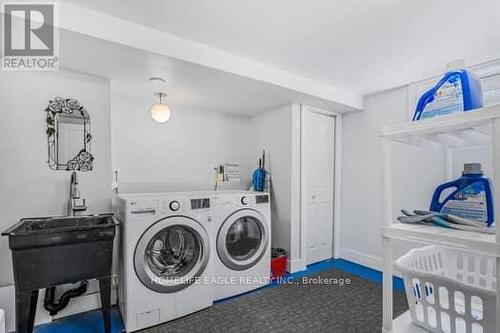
[(444, 220)]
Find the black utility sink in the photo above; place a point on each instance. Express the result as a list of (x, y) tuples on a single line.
[(69, 223), (50, 251), (53, 231)]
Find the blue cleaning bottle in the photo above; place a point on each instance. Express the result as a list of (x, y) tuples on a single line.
[(469, 196), (459, 90)]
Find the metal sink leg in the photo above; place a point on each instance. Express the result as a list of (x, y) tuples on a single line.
[(105, 288), (25, 310)]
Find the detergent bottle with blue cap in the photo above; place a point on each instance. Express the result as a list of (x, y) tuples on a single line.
[(469, 196), (459, 90)]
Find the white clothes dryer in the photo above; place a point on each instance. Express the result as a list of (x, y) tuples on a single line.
[(242, 242)]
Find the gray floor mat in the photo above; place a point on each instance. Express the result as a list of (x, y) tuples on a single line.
[(295, 308)]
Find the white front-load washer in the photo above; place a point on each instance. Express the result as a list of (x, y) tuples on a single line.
[(242, 242), (165, 257)]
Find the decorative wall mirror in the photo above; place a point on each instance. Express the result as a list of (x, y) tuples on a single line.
[(69, 137)]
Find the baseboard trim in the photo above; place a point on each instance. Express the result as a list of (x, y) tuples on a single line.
[(79, 304), (365, 260), (295, 265), (362, 259), (8, 304), (83, 303)]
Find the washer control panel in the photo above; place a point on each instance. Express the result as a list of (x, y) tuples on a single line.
[(180, 204), (174, 205), (201, 203), (143, 207), (168, 205)]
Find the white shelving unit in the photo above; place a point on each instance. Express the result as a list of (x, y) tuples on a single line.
[(478, 128)]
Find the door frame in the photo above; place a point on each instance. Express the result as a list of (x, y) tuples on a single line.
[(337, 183)]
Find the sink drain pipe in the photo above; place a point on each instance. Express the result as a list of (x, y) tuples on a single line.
[(54, 307)]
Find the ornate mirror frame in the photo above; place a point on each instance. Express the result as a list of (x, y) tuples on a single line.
[(64, 110)]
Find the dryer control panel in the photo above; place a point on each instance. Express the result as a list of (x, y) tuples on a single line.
[(261, 198), (254, 199)]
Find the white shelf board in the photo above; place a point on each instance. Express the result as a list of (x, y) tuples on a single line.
[(465, 129), (466, 240), (404, 324)]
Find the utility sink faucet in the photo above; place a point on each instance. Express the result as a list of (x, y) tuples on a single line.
[(75, 203)]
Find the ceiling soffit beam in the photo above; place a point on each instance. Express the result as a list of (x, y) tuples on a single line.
[(106, 27)]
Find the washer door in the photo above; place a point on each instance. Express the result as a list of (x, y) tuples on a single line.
[(171, 254), (242, 239)]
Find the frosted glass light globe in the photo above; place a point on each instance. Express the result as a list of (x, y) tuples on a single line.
[(160, 113)]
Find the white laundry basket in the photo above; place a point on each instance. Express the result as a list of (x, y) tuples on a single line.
[(450, 290)]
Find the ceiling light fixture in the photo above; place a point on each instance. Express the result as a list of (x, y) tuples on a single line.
[(157, 80), (160, 112)]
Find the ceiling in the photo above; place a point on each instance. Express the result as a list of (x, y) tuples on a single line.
[(187, 84), (358, 45)]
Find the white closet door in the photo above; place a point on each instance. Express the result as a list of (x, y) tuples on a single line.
[(317, 184)]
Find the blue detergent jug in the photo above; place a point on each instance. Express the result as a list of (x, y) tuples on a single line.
[(469, 196), (459, 90)]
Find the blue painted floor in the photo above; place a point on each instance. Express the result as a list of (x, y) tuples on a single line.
[(86, 322), (91, 322)]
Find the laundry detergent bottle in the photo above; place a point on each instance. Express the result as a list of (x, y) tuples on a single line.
[(459, 90), (470, 196)]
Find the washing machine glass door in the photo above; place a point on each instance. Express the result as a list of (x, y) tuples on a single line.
[(242, 239), (171, 254)]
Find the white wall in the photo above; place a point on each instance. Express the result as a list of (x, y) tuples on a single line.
[(182, 153), (277, 132), (416, 172), (413, 183), (28, 186), (273, 132)]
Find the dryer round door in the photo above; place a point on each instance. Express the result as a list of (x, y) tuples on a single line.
[(171, 254), (242, 239)]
